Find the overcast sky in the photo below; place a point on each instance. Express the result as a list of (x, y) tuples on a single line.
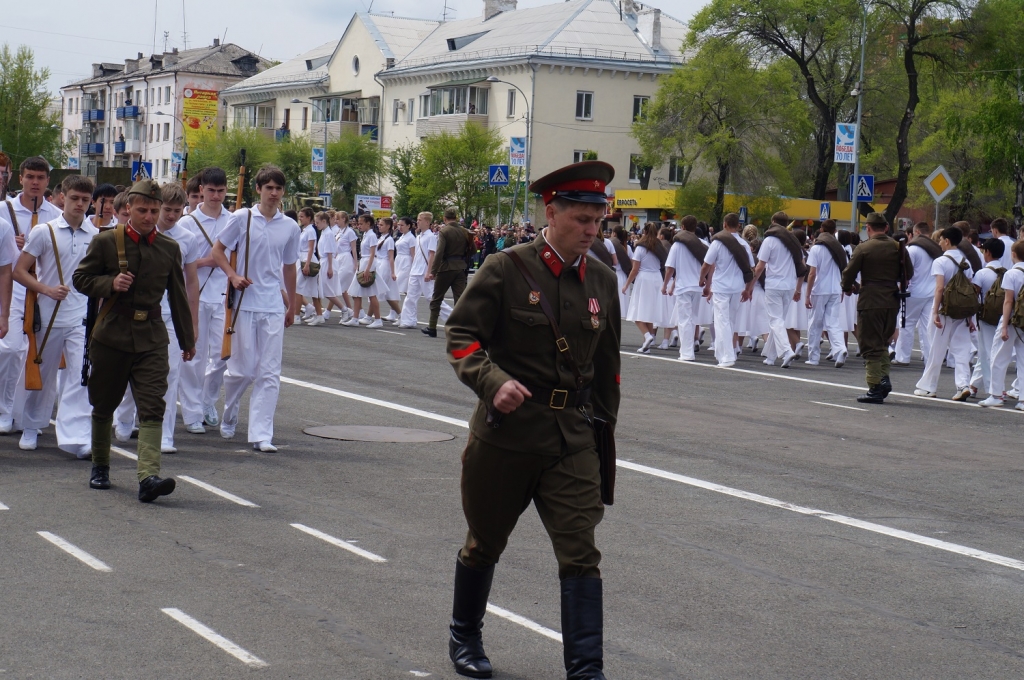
[(67, 36)]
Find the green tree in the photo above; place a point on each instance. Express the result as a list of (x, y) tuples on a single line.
[(225, 151), (452, 170), (294, 157), (400, 168), (26, 129), (355, 164)]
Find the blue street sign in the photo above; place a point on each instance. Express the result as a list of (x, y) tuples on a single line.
[(743, 214), (826, 211), (143, 172), (497, 176), (865, 188)]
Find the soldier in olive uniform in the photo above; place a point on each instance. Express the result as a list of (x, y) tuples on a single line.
[(530, 436), (880, 261), (449, 267), (129, 341)]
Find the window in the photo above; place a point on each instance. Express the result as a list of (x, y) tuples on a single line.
[(640, 107), (445, 101), (286, 124), (165, 168), (424, 105), (265, 116), (157, 138), (305, 117), (579, 155), (132, 130), (584, 105), (355, 65), (510, 110), (245, 116), (167, 131), (167, 95), (76, 104), (675, 170), (71, 103), (634, 167), (150, 132), (396, 106), (410, 114)]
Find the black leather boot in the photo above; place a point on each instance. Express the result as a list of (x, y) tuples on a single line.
[(874, 395), (466, 646), (885, 386), (153, 487), (583, 628), (100, 478)]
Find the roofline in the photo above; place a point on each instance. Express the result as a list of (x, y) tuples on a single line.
[(270, 87), (531, 53), (125, 77), (375, 33)]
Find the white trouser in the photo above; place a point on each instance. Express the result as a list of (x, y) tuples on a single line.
[(74, 414), (824, 316), (1002, 354), (12, 357), (255, 360), (919, 319), (776, 304), (202, 378), (727, 307), (982, 376), (949, 338), (125, 412), (686, 315), (410, 307)]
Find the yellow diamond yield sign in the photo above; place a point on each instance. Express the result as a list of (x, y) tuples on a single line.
[(939, 183)]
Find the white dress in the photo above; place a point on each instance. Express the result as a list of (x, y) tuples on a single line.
[(307, 286), (383, 264), (403, 260), (646, 303), (378, 288), (344, 263), (848, 306), (752, 320), (331, 286), (622, 277)]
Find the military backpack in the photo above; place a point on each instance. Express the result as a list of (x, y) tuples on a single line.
[(1017, 315), (992, 306), (960, 297)]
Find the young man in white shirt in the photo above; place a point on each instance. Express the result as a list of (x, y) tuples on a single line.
[(61, 333), (824, 294), (722, 280), (1001, 230), (684, 267), (1009, 338), (194, 192), (103, 216), (990, 275), (202, 378), (922, 251), (780, 290), (421, 283), (267, 244), (21, 214), (945, 337)]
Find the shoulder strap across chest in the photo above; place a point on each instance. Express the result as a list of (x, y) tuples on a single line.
[(200, 225)]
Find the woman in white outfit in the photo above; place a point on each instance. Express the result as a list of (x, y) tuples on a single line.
[(387, 273), (405, 246), (848, 310), (797, 317), (345, 261), (367, 259), (624, 254), (331, 285), (307, 284), (752, 321), (646, 306)]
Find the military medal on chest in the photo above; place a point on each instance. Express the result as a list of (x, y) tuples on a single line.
[(594, 308), (534, 297)]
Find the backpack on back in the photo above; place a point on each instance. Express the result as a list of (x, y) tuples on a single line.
[(1017, 314), (960, 298), (992, 306)]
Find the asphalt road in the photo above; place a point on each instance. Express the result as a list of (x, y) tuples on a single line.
[(765, 526)]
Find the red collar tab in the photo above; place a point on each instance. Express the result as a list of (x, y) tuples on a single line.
[(555, 265), (136, 236)]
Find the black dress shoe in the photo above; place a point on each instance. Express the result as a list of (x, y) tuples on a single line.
[(100, 478), (429, 332), (152, 487)]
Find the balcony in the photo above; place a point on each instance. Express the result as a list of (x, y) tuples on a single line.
[(128, 146), (93, 116), (334, 129), (128, 112), (92, 149), (450, 123)]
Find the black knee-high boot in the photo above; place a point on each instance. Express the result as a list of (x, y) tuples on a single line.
[(466, 647), (582, 628)]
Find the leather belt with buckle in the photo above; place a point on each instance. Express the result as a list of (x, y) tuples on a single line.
[(559, 399), (138, 314)]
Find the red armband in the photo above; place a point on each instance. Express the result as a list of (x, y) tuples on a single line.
[(463, 353)]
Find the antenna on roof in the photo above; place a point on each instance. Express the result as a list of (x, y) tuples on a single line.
[(155, 6), (224, 40), (184, 33), (444, 12)]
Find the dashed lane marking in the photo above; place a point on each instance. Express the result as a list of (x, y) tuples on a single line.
[(849, 408), (344, 545), (74, 551), (124, 452), (220, 492), (3, 507), (214, 637), (718, 488), (524, 622)]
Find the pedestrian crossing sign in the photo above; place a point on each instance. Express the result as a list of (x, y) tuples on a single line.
[(826, 211), (865, 188), (498, 176)]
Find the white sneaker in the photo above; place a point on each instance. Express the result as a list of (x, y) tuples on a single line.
[(799, 347), (167, 447), (123, 432), (210, 416), (643, 350), (84, 452), (923, 393), (29, 439), (377, 323), (768, 362), (265, 447), (298, 319), (346, 314), (648, 341), (788, 358), (351, 323), (841, 359), (663, 345), (727, 364), (1013, 394), (396, 322), (227, 431), (316, 321), (6, 424), (195, 428), (366, 320), (392, 316), (1019, 406), (811, 362), (993, 402), (327, 314), (687, 358), (673, 340), (403, 325), (961, 394)]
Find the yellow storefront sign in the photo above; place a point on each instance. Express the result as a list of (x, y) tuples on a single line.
[(665, 199)]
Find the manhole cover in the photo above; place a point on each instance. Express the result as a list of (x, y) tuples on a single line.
[(363, 433)]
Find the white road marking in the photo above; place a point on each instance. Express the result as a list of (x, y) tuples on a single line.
[(944, 402), (381, 330), (74, 551), (217, 639), (420, 674), (718, 488), (824, 514), (3, 507), (375, 402), (345, 545), (525, 622), (851, 408), (220, 492), (124, 452)]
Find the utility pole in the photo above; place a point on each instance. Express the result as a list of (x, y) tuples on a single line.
[(855, 177)]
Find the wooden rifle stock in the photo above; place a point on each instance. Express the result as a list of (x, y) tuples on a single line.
[(229, 308), (33, 378)]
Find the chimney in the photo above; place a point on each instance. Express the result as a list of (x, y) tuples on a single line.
[(170, 58), (131, 65), (140, 56), (97, 70), (493, 8), (216, 42), (649, 25)]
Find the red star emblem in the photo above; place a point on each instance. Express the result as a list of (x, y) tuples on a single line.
[(597, 185)]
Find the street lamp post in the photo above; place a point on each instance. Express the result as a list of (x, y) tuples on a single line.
[(859, 93), (183, 171), (529, 145), (323, 115)]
